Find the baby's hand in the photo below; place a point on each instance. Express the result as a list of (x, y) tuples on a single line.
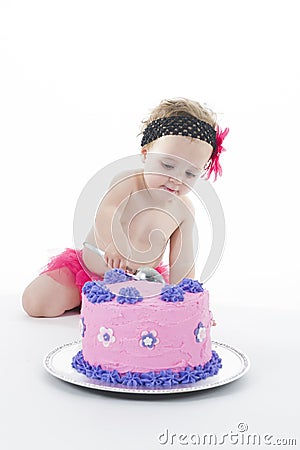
[(114, 259)]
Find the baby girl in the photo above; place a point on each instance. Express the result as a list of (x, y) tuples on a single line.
[(142, 212)]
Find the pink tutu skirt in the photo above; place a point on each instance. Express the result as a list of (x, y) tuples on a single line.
[(69, 269)]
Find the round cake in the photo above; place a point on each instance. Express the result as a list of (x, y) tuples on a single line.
[(142, 333)]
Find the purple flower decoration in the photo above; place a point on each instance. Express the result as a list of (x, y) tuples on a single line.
[(97, 292), (190, 285), (172, 293), (200, 332), (82, 326), (115, 276), (149, 339), (129, 295)]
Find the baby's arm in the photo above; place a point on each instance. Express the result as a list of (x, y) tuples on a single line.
[(109, 233), (182, 252)]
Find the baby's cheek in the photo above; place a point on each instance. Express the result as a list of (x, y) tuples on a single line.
[(154, 180), (190, 182), (185, 188)]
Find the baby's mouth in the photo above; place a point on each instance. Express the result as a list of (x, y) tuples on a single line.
[(170, 190)]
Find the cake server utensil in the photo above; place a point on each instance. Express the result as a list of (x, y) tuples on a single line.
[(142, 273)]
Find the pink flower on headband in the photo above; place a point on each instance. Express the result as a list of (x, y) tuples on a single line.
[(215, 165)]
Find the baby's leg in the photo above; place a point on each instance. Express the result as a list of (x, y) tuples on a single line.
[(51, 295)]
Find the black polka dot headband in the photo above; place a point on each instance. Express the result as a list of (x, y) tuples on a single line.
[(179, 125)]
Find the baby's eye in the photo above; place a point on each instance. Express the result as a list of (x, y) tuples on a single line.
[(190, 174), (167, 166)]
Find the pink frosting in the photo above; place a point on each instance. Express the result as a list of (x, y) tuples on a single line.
[(173, 324)]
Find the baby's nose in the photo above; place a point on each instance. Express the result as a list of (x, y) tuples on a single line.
[(177, 180)]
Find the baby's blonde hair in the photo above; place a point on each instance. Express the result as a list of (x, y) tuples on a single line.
[(179, 106)]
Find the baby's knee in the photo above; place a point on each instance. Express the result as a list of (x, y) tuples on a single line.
[(30, 302), (38, 301), (34, 301), (45, 297)]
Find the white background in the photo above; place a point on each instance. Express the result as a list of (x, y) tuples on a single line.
[(76, 79)]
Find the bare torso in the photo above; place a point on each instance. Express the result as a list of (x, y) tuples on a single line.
[(147, 220)]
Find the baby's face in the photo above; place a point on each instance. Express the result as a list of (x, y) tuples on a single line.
[(174, 163)]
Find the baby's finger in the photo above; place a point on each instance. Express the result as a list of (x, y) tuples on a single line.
[(109, 262), (123, 264), (116, 263)]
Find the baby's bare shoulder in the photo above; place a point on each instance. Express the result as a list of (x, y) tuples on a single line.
[(130, 177), (121, 187)]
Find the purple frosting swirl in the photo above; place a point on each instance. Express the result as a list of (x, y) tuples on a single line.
[(163, 378), (97, 292), (129, 295), (190, 285), (115, 276), (172, 293)]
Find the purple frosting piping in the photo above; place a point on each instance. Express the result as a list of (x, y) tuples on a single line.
[(97, 292), (129, 295), (190, 285), (171, 293), (115, 276), (163, 378)]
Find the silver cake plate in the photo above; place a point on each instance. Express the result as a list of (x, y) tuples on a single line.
[(234, 365)]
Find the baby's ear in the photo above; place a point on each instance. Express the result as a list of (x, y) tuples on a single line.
[(144, 153)]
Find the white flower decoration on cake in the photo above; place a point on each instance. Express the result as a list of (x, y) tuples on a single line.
[(149, 339), (200, 332), (106, 336)]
